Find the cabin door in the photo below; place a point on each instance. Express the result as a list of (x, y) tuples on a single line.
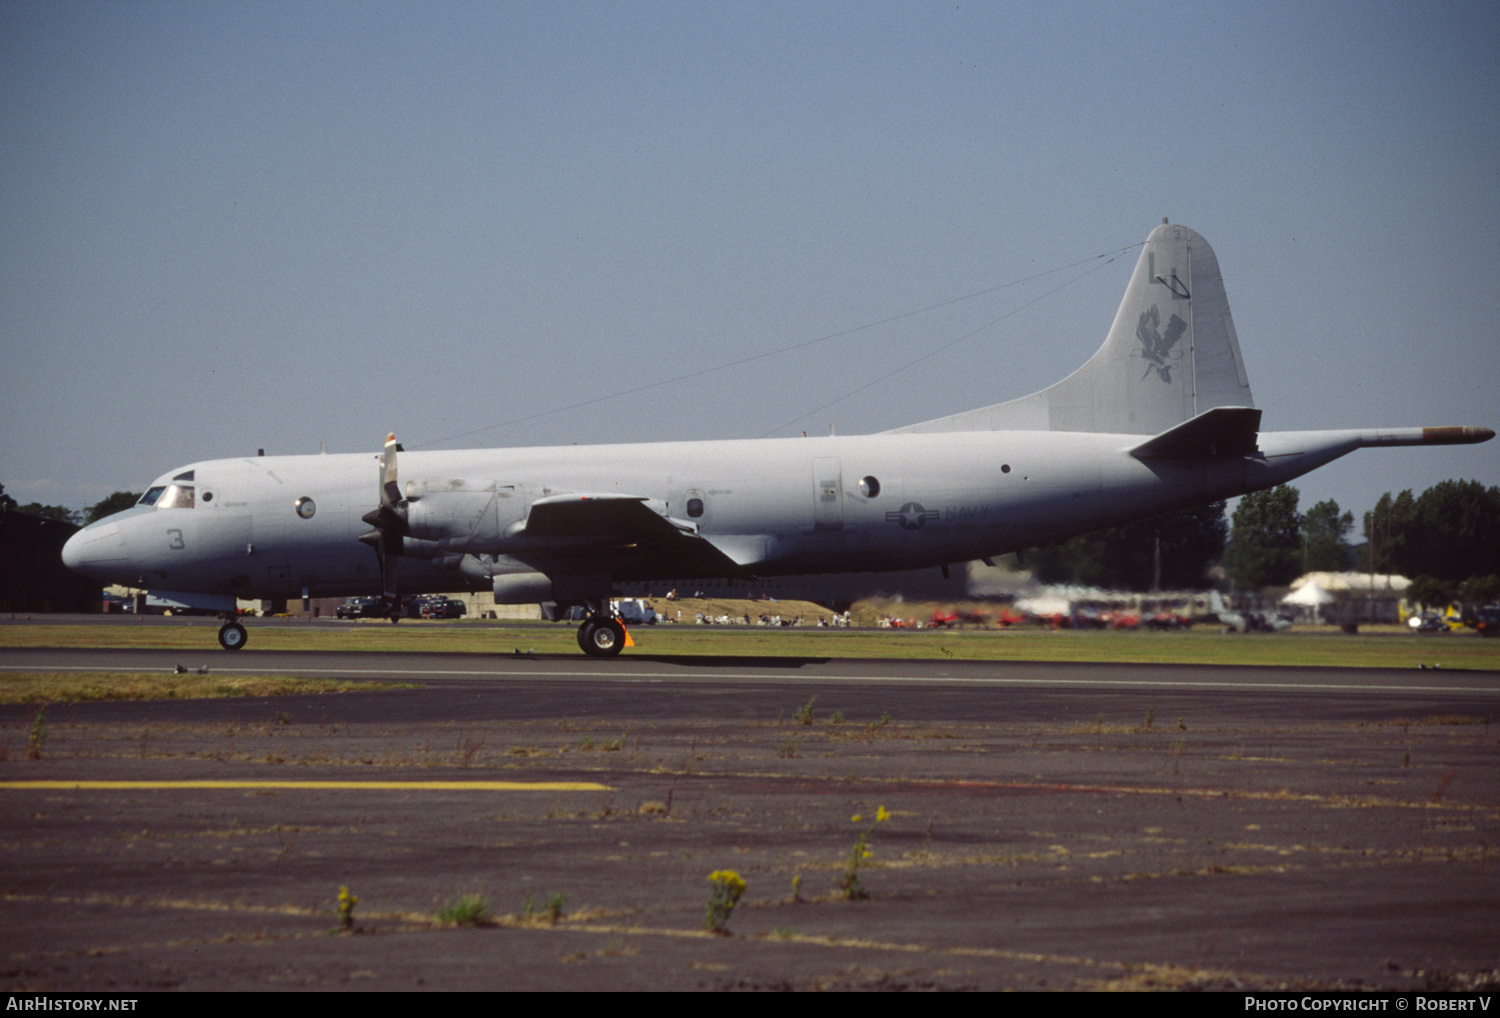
[(828, 494)]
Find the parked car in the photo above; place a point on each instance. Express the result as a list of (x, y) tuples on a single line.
[(1487, 620), (442, 608), (635, 612), (416, 607), (360, 608)]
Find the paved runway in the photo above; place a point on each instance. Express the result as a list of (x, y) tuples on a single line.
[(1052, 826)]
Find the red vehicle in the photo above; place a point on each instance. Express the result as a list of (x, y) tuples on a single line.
[(945, 620)]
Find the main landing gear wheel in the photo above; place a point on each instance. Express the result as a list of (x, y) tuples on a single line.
[(232, 636), (601, 637)]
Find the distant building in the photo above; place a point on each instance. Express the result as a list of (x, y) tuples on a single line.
[(1358, 597), (32, 576)]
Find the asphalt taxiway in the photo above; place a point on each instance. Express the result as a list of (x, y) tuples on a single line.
[(1050, 826)]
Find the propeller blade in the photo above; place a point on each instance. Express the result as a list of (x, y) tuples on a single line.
[(390, 491), (389, 520)]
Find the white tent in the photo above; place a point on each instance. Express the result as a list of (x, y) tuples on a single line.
[(1310, 598), (1309, 595)]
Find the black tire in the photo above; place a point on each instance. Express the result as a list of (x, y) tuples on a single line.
[(602, 637), (585, 633), (232, 636)]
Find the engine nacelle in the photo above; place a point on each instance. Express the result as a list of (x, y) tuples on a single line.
[(534, 588), (462, 515), (432, 551), (523, 588)]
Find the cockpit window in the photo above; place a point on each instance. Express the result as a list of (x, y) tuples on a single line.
[(150, 497), (177, 496)]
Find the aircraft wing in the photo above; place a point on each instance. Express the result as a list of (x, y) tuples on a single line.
[(622, 530), (606, 517)]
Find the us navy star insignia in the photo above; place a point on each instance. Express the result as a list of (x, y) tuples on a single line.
[(911, 516)]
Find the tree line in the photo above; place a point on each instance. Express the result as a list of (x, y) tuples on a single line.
[(61, 513), (1446, 540)]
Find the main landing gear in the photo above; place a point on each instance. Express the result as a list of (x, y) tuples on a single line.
[(232, 635), (601, 634)]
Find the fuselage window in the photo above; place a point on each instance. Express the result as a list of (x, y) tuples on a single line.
[(177, 496), (695, 507)]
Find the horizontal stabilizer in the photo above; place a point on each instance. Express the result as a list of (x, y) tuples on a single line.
[(1222, 431)]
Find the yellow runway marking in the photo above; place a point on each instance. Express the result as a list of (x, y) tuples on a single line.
[(364, 786)]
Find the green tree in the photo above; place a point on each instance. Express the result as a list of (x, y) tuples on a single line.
[(1429, 593), (1125, 558), (1324, 538), (1076, 560), (1450, 532), (1265, 539), (1387, 527), (113, 504), (61, 513), (1477, 590), (1458, 533)]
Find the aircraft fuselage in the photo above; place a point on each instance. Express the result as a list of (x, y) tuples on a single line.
[(276, 526)]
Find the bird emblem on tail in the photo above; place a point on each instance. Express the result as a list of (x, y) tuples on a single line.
[(1157, 343)]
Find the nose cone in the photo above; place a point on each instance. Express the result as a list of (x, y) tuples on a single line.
[(96, 551)]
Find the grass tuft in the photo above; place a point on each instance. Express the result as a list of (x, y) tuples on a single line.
[(465, 910)]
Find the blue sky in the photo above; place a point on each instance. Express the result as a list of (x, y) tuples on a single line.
[(229, 226)]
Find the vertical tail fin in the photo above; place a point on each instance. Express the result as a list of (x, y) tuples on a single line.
[(1170, 355)]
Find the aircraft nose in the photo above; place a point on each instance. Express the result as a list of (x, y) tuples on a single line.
[(98, 550)]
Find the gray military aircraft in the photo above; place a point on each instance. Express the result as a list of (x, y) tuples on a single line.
[(1160, 419)]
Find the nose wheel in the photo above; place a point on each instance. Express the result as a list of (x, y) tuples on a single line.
[(232, 636)]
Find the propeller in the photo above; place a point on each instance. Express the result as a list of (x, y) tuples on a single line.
[(389, 521)]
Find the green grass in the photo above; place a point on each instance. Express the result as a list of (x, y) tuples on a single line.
[(465, 910), (79, 687), (1388, 647)]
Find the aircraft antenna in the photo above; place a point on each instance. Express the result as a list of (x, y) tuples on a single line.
[(948, 346), (1103, 259)]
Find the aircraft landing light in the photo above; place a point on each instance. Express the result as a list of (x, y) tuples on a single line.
[(318, 786)]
